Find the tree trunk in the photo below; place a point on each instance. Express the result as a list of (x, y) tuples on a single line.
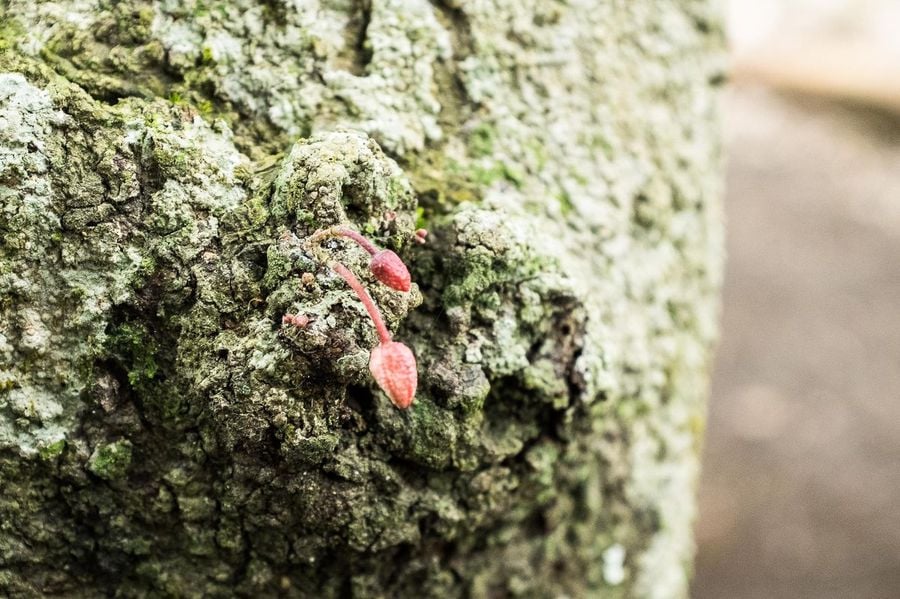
[(162, 433)]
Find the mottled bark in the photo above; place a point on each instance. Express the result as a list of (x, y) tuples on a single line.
[(161, 432)]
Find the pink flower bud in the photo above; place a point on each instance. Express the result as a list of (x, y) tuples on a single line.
[(390, 270), (298, 320), (393, 366)]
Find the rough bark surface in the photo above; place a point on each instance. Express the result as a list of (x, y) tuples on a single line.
[(161, 433)]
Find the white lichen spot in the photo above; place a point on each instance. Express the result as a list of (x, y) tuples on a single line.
[(40, 21), (181, 41), (34, 404), (34, 336), (224, 47), (614, 565)]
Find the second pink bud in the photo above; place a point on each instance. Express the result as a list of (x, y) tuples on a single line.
[(390, 270)]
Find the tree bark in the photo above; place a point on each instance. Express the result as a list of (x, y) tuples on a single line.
[(163, 434)]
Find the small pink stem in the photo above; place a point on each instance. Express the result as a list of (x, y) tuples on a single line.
[(365, 243), (383, 334)]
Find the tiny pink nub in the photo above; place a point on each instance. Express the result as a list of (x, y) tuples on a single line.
[(390, 270), (298, 320), (393, 366)]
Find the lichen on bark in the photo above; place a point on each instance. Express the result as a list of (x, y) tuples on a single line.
[(161, 164)]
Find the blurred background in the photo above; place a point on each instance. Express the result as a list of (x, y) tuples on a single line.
[(800, 494)]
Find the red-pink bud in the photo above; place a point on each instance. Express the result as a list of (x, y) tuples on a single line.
[(298, 320), (390, 270), (393, 366)]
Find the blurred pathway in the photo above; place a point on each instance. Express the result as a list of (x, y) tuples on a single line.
[(800, 496)]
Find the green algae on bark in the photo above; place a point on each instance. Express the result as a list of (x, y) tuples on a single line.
[(162, 434)]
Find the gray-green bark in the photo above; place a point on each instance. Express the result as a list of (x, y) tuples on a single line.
[(161, 434)]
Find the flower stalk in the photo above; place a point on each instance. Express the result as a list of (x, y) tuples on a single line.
[(392, 364), (384, 336), (386, 265)]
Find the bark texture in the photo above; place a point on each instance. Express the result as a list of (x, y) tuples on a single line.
[(161, 434)]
